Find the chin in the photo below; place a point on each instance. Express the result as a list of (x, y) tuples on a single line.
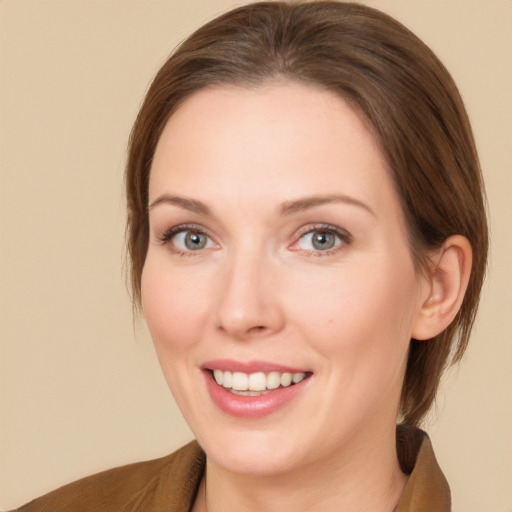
[(251, 453)]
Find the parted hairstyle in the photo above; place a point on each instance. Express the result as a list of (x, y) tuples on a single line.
[(394, 81)]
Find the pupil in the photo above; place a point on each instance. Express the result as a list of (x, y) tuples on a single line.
[(323, 241), (195, 241)]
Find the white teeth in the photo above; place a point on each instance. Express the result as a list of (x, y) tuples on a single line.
[(227, 379), (297, 377), (257, 381), (273, 380), (218, 376), (248, 393), (240, 381), (286, 379), (245, 384)]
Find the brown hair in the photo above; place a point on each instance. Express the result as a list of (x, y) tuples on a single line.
[(401, 88)]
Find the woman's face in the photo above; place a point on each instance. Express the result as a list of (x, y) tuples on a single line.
[(278, 253)]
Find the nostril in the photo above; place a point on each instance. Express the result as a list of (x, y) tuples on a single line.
[(257, 329)]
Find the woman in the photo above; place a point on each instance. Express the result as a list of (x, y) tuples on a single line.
[(307, 234)]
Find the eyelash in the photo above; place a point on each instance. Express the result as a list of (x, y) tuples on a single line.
[(168, 235), (344, 237)]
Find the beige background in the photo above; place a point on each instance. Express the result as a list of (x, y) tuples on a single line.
[(80, 388)]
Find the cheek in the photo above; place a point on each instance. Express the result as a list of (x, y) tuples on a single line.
[(175, 313), (364, 310), (361, 326), (172, 307)]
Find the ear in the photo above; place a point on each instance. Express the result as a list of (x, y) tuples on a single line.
[(446, 282)]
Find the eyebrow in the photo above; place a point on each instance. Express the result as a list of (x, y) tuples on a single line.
[(183, 202), (286, 208), (300, 205)]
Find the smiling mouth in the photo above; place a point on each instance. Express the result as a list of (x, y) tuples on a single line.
[(258, 383)]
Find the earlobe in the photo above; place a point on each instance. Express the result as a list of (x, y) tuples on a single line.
[(446, 284)]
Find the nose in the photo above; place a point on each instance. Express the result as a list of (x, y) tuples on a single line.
[(248, 305)]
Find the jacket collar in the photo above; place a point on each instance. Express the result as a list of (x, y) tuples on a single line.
[(427, 489)]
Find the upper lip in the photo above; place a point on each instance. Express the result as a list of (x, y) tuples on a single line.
[(254, 366)]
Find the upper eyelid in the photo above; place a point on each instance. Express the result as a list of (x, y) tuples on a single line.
[(167, 234), (324, 227)]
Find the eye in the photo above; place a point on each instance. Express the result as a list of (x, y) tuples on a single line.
[(185, 239), (323, 239), (191, 240)]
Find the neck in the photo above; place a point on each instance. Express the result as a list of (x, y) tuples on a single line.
[(367, 478)]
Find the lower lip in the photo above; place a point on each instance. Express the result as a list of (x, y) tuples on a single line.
[(252, 407)]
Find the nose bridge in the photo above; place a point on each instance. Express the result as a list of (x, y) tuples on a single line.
[(247, 306)]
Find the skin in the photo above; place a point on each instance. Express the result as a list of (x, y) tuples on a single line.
[(260, 290)]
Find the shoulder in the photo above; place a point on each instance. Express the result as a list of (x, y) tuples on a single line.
[(132, 487)]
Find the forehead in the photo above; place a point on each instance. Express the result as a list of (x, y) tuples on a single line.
[(287, 137)]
